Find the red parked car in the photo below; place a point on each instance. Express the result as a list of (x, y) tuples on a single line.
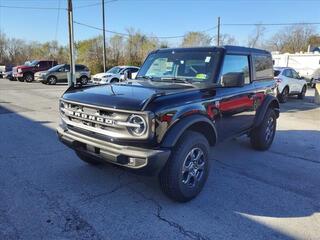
[(26, 72)]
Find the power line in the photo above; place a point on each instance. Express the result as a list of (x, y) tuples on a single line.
[(94, 4), (270, 24), (127, 34), (57, 22)]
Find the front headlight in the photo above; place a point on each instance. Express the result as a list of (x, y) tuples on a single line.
[(138, 125), (19, 70)]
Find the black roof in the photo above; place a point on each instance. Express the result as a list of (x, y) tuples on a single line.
[(228, 48)]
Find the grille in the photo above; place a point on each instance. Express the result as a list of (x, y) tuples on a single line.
[(108, 122)]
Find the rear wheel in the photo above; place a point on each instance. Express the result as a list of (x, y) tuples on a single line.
[(283, 97), (87, 158), (303, 92), (312, 83), (28, 77), (186, 172), (262, 136)]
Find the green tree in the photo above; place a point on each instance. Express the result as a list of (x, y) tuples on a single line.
[(193, 39)]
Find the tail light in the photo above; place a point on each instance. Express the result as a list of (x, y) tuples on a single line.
[(278, 80)]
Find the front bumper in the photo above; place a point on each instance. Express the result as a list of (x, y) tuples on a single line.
[(147, 161), (40, 78), (17, 75)]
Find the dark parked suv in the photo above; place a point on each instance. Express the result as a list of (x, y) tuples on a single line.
[(182, 101)]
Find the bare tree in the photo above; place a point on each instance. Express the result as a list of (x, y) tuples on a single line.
[(291, 39), (255, 38), (226, 39)]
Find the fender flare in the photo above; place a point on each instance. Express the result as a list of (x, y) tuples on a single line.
[(175, 132), (269, 101)]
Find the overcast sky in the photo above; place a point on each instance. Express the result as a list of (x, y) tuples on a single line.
[(153, 17)]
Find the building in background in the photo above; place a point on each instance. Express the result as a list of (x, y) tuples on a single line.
[(306, 63)]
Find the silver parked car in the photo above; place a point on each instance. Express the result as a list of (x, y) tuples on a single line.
[(59, 74)]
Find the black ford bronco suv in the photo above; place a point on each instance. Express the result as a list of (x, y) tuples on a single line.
[(182, 101)]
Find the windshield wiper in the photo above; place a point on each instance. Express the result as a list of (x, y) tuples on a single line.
[(146, 77), (178, 80)]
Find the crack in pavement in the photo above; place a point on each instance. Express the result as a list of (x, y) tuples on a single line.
[(187, 233), (115, 189), (67, 218)]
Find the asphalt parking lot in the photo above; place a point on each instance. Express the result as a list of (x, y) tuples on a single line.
[(46, 192)]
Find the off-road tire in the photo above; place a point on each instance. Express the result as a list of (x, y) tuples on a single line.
[(171, 176), (28, 77), (52, 80), (258, 136), (283, 96), (87, 158), (303, 92)]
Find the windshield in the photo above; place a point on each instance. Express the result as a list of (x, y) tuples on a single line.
[(56, 68), (32, 63), (186, 65), (115, 70), (276, 73)]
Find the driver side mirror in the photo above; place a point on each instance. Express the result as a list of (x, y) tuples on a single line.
[(127, 75), (301, 78), (233, 79)]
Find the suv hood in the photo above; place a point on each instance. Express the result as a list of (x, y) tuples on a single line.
[(23, 67), (119, 96)]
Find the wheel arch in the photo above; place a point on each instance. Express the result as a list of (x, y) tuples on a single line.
[(269, 102), (197, 123)]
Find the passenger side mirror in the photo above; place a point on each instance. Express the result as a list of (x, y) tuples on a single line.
[(233, 79), (127, 75)]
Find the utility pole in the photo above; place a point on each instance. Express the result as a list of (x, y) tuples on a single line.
[(104, 39), (218, 35), (71, 77)]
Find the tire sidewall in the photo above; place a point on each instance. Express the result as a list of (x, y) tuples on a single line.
[(187, 142), (50, 82)]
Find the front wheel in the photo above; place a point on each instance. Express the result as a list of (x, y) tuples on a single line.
[(52, 80), (262, 136), (84, 80), (186, 172), (302, 94), (28, 77)]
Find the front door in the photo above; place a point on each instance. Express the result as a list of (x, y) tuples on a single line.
[(235, 104)]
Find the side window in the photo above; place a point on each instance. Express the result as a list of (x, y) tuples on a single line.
[(236, 64), (295, 74), (67, 68), (134, 70), (79, 68), (43, 64), (263, 66), (287, 73)]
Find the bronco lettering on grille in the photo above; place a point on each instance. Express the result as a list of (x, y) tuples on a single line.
[(85, 116)]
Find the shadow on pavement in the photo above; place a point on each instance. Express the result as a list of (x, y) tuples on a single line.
[(47, 192)]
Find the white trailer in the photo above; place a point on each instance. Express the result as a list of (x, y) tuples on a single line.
[(304, 63)]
